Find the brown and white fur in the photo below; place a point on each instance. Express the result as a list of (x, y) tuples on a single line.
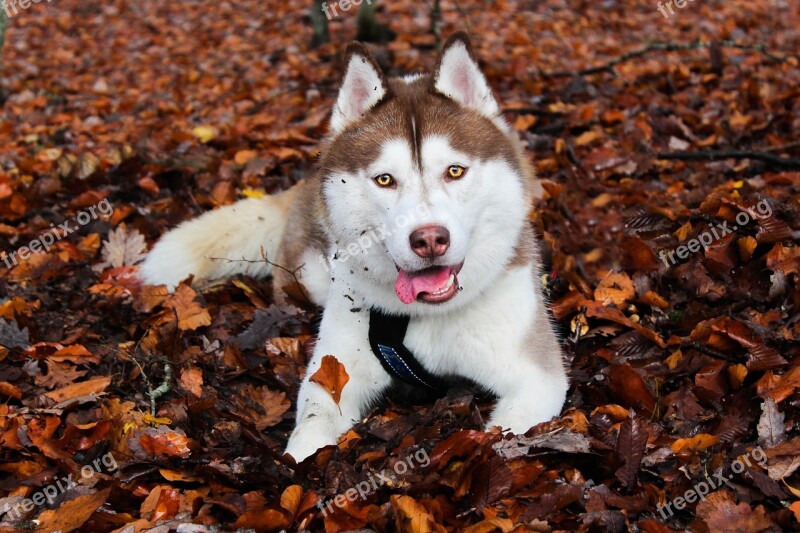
[(351, 237)]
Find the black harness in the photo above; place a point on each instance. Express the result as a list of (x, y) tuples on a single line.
[(386, 336)]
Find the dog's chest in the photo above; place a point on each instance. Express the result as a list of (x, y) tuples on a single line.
[(488, 332)]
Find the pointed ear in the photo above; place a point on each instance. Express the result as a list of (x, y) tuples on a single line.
[(363, 86), (458, 77)]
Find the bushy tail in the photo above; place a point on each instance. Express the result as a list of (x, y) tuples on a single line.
[(221, 243)]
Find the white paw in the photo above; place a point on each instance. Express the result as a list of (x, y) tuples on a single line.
[(519, 416), (310, 435)]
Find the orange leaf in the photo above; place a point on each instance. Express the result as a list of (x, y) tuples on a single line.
[(691, 445), (795, 507), (243, 156), (7, 389), (165, 443), (332, 377), (524, 122), (412, 517), (192, 381), (615, 288), (291, 498), (76, 354), (84, 388), (71, 514), (191, 315)]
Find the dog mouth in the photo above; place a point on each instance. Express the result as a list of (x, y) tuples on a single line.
[(432, 285)]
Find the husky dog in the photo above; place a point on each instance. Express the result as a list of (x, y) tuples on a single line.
[(418, 209)]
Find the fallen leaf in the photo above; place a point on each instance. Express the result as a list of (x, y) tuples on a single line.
[(331, 376)]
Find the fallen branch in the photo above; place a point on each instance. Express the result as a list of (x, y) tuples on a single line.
[(718, 155), (663, 47)]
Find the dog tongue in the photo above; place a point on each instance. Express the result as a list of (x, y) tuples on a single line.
[(410, 284)]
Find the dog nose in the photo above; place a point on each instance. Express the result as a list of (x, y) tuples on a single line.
[(430, 242)]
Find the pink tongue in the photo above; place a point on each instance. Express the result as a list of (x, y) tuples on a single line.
[(409, 286)]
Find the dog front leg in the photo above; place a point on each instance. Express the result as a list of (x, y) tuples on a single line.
[(530, 391), (320, 421)]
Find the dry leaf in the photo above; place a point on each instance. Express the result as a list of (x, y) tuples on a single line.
[(332, 377), (191, 315), (123, 248), (192, 381)]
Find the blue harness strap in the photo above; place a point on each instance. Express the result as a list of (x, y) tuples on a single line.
[(386, 336)]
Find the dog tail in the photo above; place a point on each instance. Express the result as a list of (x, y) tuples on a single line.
[(221, 243)]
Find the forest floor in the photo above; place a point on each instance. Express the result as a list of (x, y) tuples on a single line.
[(121, 119)]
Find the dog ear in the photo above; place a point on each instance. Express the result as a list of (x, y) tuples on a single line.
[(362, 88), (458, 77)]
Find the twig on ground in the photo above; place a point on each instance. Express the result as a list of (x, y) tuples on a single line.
[(718, 155), (161, 390), (264, 259), (659, 46)]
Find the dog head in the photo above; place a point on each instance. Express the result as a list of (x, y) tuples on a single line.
[(425, 186)]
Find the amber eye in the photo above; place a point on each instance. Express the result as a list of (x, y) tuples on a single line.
[(384, 180), (455, 172)]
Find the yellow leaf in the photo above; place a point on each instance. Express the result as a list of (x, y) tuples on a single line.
[(155, 422), (674, 360), (205, 133), (253, 193), (682, 232), (736, 375), (746, 246)]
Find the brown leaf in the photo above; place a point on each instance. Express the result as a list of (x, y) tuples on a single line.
[(76, 353), (273, 405), (411, 517), (123, 248), (71, 514), (332, 377), (616, 288), (84, 388), (9, 390), (191, 315), (291, 499), (786, 385), (630, 388), (630, 448), (723, 515), (192, 381), (771, 429)]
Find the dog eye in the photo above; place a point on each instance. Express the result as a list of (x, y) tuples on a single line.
[(455, 172), (384, 180)]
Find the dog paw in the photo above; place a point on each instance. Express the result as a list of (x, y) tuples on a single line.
[(519, 418), (307, 438)]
